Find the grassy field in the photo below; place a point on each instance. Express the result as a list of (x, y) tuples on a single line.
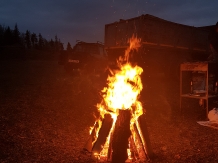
[(45, 115)]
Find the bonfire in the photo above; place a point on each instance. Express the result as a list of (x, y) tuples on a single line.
[(120, 132)]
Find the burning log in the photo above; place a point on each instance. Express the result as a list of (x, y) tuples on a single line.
[(103, 134), (145, 135), (133, 148), (92, 137), (138, 143), (120, 137)]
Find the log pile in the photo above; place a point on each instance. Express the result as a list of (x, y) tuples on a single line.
[(122, 139)]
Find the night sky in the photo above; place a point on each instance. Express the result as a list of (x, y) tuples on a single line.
[(85, 20)]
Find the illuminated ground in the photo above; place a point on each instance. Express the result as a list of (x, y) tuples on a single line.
[(45, 116)]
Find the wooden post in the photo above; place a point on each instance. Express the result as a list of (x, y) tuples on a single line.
[(142, 153), (120, 137), (145, 135), (102, 135), (89, 144)]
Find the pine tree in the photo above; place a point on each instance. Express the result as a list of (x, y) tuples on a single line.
[(2, 29), (56, 44), (69, 48), (34, 39), (60, 45), (51, 43), (7, 38), (41, 41), (45, 44), (16, 34), (27, 39)]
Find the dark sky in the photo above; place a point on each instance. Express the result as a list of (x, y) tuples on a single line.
[(84, 20)]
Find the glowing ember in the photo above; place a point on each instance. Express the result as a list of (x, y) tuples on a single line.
[(122, 93)]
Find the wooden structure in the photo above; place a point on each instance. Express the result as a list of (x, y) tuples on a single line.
[(155, 32), (164, 44), (122, 138), (202, 79)]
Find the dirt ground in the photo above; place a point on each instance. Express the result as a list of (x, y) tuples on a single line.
[(45, 115)]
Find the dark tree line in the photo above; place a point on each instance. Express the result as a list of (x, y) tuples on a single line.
[(13, 37)]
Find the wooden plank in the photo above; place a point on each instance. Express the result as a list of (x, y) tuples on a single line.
[(89, 144), (102, 135), (145, 135), (121, 136), (195, 66), (142, 154)]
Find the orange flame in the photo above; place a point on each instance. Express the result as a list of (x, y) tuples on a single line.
[(124, 85)]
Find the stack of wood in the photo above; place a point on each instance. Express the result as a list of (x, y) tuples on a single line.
[(121, 138)]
